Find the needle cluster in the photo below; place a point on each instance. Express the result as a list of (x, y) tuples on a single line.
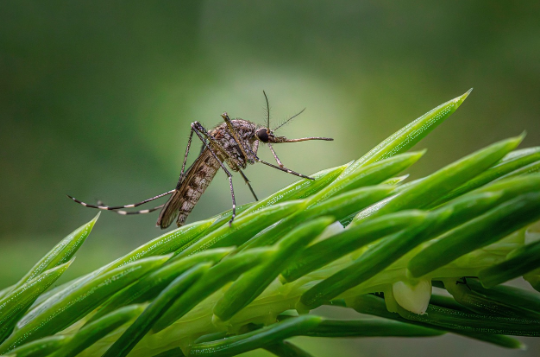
[(356, 237)]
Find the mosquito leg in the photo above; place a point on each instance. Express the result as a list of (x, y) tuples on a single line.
[(203, 134), (227, 120), (281, 167), (202, 131), (207, 136), (251, 151), (185, 160), (233, 200), (144, 211), (284, 169), (249, 185), (112, 208), (275, 156), (255, 148)]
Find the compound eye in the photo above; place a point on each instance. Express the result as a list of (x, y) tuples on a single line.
[(262, 134)]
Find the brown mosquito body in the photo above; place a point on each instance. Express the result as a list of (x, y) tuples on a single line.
[(230, 146)]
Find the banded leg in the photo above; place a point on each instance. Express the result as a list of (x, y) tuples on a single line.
[(143, 211), (202, 133), (113, 208)]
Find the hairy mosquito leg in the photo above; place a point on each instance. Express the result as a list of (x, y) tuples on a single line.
[(112, 208), (275, 156), (202, 133), (284, 169), (249, 185)]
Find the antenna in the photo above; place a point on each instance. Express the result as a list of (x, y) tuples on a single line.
[(288, 120), (267, 111)]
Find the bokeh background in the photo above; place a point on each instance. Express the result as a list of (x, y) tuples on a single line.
[(96, 99)]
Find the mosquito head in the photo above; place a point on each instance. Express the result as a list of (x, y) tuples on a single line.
[(266, 135), (263, 134)]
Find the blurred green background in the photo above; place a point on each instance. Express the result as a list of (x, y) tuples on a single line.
[(96, 99)]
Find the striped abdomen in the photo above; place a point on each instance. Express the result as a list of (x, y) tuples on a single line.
[(189, 191)]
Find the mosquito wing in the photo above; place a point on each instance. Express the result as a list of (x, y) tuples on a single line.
[(170, 210), (190, 189)]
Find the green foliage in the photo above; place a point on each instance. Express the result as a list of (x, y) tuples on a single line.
[(355, 238)]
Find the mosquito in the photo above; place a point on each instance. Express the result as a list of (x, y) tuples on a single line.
[(233, 143)]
